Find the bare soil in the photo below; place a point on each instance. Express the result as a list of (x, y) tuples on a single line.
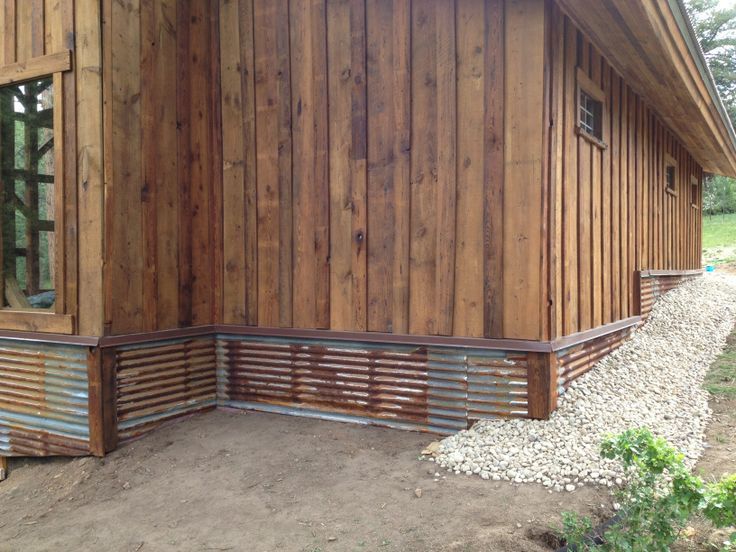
[(229, 480), (259, 482)]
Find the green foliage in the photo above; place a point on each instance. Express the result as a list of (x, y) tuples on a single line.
[(575, 528), (660, 497), (715, 28), (719, 195)]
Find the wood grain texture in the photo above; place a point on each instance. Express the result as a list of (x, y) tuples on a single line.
[(616, 216), (522, 202)]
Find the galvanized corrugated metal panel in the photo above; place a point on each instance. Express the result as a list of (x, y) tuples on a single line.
[(575, 361), (417, 387), (160, 381), (44, 399), (654, 286)]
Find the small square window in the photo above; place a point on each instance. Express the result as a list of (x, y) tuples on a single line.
[(670, 177), (693, 191), (670, 174), (591, 109), (590, 116)]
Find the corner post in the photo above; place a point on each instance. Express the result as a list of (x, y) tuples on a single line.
[(542, 385)]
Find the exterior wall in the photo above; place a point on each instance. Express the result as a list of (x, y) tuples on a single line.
[(336, 149), (365, 156), (30, 29), (162, 165), (610, 214), (437, 389), (49, 400)]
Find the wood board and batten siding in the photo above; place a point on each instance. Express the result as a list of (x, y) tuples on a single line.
[(33, 35), (365, 155), (163, 165), (611, 214)]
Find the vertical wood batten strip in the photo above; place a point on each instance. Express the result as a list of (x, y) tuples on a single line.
[(585, 185), (88, 71), (127, 224), (183, 169), (309, 167), (151, 134), (233, 149), (472, 42), (388, 25), (596, 199), (556, 183), (273, 161), (246, 17), (606, 193), (433, 168), (523, 98), (348, 126), (493, 174), (570, 205), (202, 159), (167, 198), (69, 230)]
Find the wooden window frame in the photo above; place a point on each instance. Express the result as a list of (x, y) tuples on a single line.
[(694, 183), (670, 161), (55, 319), (585, 84)]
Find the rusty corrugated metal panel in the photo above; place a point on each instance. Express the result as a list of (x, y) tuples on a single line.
[(656, 285), (160, 381), (576, 361), (44, 399), (427, 388)]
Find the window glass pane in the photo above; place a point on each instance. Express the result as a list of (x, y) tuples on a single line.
[(590, 116), (27, 193)]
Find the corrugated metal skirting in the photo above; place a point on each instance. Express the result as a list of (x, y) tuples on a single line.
[(573, 362), (402, 386), (160, 381), (654, 286), (44, 399)]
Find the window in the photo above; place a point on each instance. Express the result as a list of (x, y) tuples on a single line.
[(591, 108), (28, 196), (670, 174), (693, 192), (591, 115)]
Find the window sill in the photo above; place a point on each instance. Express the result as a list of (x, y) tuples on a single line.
[(590, 138), (36, 320), (671, 192)]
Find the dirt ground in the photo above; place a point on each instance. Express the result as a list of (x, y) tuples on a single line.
[(229, 480), (260, 482)]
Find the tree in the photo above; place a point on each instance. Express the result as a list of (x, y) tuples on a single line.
[(716, 31)]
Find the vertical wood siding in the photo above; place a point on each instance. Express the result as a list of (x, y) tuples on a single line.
[(32, 28), (163, 165), (364, 151), (613, 215)]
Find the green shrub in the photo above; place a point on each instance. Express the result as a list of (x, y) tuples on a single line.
[(660, 497)]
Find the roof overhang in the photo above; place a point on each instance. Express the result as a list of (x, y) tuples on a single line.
[(653, 45)]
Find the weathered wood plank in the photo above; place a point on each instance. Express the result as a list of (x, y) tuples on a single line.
[(89, 152), (346, 43), (309, 168), (471, 120), (126, 256), (570, 200), (233, 151), (524, 77), (388, 54), (35, 67), (273, 161)]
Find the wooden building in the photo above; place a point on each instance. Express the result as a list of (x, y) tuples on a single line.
[(414, 213)]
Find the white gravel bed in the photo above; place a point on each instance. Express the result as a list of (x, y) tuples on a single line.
[(653, 380)]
